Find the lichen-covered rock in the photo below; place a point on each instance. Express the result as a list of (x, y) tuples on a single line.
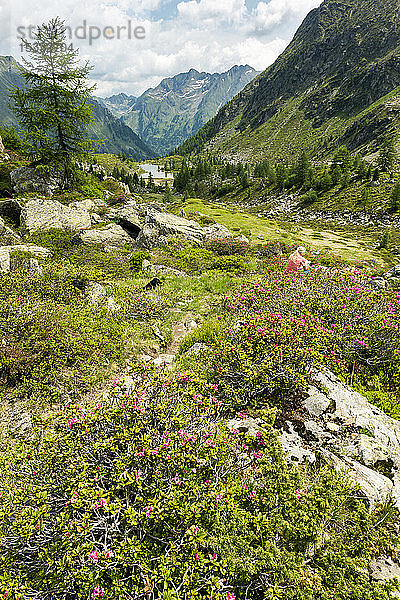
[(40, 214), (383, 568), (110, 235), (112, 304), (196, 349), (37, 251), (95, 291), (377, 488), (296, 448), (29, 180), (7, 235), (216, 232), (316, 403), (366, 440), (148, 237), (242, 238), (11, 209), (247, 425), (20, 421), (4, 260), (148, 267), (167, 224), (378, 283)]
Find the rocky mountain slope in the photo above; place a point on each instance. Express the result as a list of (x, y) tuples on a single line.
[(117, 136), (166, 386), (338, 82), (118, 104), (179, 106)]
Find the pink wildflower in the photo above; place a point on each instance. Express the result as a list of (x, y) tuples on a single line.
[(94, 556), (299, 493), (98, 592)]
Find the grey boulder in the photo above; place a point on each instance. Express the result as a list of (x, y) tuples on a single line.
[(168, 224), (383, 568), (11, 210), (29, 180), (4, 261), (110, 235), (148, 237), (41, 214), (7, 235), (247, 425), (216, 232), (95, 291), (37, 251), (366, 441), (376, 488)]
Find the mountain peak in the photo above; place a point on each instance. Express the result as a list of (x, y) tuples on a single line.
[(178, 106)]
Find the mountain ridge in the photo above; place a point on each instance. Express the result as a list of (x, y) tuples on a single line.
[(344, 57), (166, 115), (118, 137)]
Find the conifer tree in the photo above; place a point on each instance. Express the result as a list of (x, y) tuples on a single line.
[(387, 155), (53, 108), (301, 168), (395, 198)]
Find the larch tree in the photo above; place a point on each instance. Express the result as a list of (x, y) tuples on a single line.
[(53, 107)]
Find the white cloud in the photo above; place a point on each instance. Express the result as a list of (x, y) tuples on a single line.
[(275, 12), (207, 35), (200, 12)]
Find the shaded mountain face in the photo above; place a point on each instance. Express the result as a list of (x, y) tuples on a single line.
[(338, 70), (179, 106), (116, 136)]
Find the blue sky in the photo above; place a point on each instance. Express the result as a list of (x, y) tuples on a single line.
[(166, 36)]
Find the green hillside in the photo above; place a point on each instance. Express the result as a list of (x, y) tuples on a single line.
[(336, 83)]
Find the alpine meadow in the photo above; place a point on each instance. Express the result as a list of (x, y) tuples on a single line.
[(199, 303)]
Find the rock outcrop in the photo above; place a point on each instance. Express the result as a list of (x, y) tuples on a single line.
[(148, 237), (28, 180), (7, 235), (40, 214), (169, 225), (110, 235), (11, 209), (216, 232), (34, 251), (150, 226), (4, 261), (365, 439), (37, 251)]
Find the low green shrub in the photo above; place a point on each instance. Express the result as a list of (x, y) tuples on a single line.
[(224, 246), (234, 264), (56, 240), (147, 494), (98, 264), (310, 197), (287, 325), (136, 260), (50, 350)]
